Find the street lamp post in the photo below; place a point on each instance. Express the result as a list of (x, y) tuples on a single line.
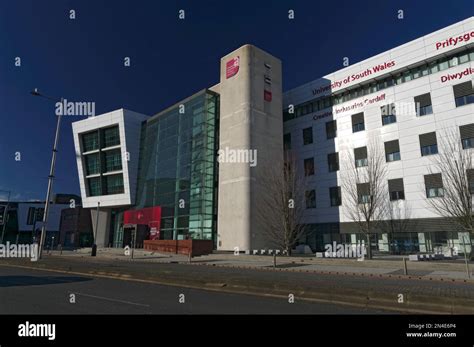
[(51, 174), (94, 234)]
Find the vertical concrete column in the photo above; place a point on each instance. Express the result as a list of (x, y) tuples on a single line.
[(250, 119), (103, 230)]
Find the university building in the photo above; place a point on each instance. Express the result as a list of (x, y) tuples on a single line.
[(161, 172)]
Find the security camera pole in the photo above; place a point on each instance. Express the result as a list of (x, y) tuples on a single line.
[(51, 174)]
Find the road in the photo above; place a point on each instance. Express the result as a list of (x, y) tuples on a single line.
[(26, 291), (370, 290)]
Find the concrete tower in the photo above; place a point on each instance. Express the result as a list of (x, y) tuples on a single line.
[(250, 119)]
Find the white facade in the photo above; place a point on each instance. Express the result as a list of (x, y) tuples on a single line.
[(412, 167), (129, 127), (129, 124), (409, 54)]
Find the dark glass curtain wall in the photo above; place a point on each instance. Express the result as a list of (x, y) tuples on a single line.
[(178, 167)]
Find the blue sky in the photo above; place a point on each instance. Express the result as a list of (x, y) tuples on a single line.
[(82, 59)]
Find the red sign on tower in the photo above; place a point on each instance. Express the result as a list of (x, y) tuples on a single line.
[(232, 67)]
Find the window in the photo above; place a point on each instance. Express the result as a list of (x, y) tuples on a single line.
[(464, 58), (287, 115), (443, 64), (90, 141), (428, 144), (102, 161), (287, 141), (392, 151), (111, 137), (407, 76), (470, 180), (424, 69), (335, 196), (327, 102), (358, 122), (423, 104), (463, 94), (434, 185), (434, 67), (467, 135), (114, 184), (95, 187), (363, 193), (395, 189), (307, 136), (360, 155), (92, 164), (113, 160), (315, 106), (416, 73), (34, 213), (310, 198), (453, 62), (331, 129), (333, 162), (388, 114), (309, 167), (398, 79)]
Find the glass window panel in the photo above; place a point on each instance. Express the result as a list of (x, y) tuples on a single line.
[(110, 137), (90, 141), (92, 164), (112, 160), (95, 187), (114, 184)]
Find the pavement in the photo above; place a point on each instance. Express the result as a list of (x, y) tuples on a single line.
[(27, 291), (385, 265), (367, 290)]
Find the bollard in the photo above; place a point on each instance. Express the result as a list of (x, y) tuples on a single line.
[(405, 270), (274, 260), (60, 249), (190, 256)]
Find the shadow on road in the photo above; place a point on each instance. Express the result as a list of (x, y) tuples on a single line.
[(17, 281)]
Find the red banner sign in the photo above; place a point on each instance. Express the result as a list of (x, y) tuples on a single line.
[(143, 216)]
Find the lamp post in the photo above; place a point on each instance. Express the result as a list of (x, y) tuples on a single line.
[(94, 234), (51, 173)]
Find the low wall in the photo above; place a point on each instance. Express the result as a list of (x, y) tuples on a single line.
[(195, 247)]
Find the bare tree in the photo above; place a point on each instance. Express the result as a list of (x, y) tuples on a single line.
[(457, 171), (364, 190), (398, 219), (283, 204)]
